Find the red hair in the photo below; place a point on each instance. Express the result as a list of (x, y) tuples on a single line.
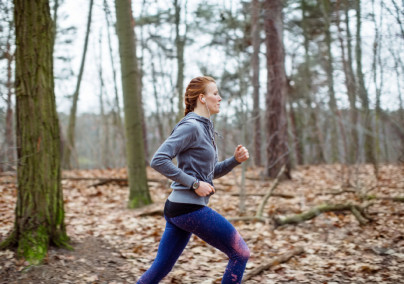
[(196, 87)]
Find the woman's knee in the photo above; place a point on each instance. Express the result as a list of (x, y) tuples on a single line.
[(240, 247), (246, 252)]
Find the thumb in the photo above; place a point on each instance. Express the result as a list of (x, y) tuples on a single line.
[(239, 147)]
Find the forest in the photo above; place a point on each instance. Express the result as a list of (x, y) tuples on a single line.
[(312, 88)]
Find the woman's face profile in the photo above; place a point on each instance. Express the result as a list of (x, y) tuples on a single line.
[(212, 98)]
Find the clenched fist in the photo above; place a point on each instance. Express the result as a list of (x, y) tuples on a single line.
[(241, 154), (204, 189)]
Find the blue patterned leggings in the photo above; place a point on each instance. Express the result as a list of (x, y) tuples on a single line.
[(211, 227)]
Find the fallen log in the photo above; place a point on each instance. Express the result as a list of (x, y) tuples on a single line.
[(356, 210), (394, 198), (150, 210), (336, 192), (273, 262)]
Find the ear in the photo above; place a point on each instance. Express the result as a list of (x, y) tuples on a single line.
[(202, 99)]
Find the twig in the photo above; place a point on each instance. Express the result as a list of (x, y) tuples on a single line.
[(280, 259), (269, 193), (258, 215)]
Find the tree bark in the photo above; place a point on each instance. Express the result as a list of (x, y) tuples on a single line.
[(139, 192), (69, 147), (366, 115), (39, 214), (277, 139), (256, 42)]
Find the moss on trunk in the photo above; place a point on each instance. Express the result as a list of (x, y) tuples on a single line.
[(39, 213)]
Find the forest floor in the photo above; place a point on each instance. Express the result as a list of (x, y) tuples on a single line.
[(113, 244)]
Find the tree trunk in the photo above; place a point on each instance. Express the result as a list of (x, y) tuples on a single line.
[(352, 153), (69, 147), (180, 46), (256, 42), (325, 7), (277, 139), (366, 115), (296, 140), (313, 138), (39, 214), (117, 120), (9, 153), (399, 94), (140, 87), (139, 192), (377, 45), (159, 122), (104, 129)]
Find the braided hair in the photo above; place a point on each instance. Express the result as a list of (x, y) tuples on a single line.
[(196, 87)]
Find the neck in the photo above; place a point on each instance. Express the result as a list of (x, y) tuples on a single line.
[(202, 111)]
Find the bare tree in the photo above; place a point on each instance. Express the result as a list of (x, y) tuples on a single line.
[(277, 139), (180, 41), (256, 42), (69, 146), (362, 91), (138, 189)]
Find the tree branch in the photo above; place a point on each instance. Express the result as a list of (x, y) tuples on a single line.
[(356, 210), (269, 193), (280, 259)]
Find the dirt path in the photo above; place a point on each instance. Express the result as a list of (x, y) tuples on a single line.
[(92, 261)]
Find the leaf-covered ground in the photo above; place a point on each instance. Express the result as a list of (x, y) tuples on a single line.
[(116, 245)]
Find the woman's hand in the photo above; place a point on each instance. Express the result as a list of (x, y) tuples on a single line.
[(205, 189), (241, 154)]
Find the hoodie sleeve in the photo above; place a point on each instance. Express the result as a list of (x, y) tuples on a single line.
[(180, 139), (224, 167)]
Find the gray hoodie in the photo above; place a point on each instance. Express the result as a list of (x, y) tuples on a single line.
[(192, 142)]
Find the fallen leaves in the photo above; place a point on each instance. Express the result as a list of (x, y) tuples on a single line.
[(337, 249)]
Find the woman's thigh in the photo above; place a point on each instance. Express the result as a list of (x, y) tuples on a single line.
[(214, 229)]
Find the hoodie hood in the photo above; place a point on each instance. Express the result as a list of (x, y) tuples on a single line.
[(205, 121), (193, 115)]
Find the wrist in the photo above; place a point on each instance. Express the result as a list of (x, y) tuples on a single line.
[(195, 185)]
